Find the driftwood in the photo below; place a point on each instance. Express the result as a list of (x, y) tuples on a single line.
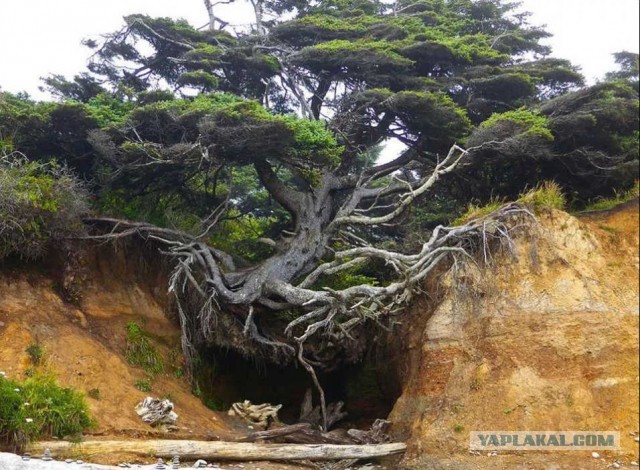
[(154, 411), (217, 450), (311, 415), (305, 433), (258, 415)]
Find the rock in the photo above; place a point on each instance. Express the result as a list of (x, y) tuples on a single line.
[(637, 439), (595, 455), (634, 464), (615, 465), (154, 411), (200, 464)]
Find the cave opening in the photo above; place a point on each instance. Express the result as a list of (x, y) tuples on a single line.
[(368, 389)]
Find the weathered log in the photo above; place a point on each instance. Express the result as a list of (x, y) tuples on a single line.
[(376, 435), (313, 415), (301, 433), (218, 450), (305, 433)]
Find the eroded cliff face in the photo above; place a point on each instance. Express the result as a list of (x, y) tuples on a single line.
[(84, 342), (546, 340)]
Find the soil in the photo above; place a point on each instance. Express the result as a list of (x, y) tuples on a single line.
[(544, 339)]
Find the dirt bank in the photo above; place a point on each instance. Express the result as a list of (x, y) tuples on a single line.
[(546, 340)]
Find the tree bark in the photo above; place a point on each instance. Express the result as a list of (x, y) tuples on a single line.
[(217, 450)]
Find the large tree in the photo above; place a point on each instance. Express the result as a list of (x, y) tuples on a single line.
[(277, 130)]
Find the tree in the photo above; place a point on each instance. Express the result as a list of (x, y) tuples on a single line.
[(273, 134)]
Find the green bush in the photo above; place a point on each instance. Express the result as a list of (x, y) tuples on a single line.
[(140, 352), (36, 353), (39, 407), (40, 203)]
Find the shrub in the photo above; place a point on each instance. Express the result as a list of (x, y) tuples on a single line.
[(36, 353), (140, 352), (37, 408), (39, 203)]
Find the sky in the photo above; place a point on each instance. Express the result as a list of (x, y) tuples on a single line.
[(39, 37)]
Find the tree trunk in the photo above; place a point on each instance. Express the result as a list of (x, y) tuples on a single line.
[(216, 450)]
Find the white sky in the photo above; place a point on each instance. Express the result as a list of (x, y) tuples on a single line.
[(38, 37)]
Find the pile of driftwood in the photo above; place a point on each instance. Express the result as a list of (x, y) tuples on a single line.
[(268, 440), (308, 430)]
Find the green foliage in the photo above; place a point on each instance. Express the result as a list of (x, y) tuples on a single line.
[(215, 404), (94, 393), (547, 195), (36, 353), (39, 407), (108, 110), (475, 211), (353, 276), (620, 197), (524, 121), (140, 352), (39, 204), (144, 385)]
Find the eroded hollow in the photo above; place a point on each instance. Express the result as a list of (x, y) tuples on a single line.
[(368, 389)]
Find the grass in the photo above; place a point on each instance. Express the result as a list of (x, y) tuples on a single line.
[(547, 195), (144, 385), (94, 393), (39, 407), (620, 198), (458, 427), (476, 211), (140, 352)]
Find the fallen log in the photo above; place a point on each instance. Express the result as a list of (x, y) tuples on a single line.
[(218, 450)]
